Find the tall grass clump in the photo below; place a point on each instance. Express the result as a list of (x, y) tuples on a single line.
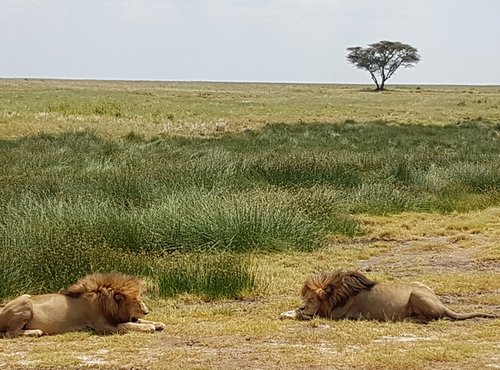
[(179, 222), (79, 200), (12, 278), (47, 245), (327, 206), (211, 276), (44, 269), (475, 177), (306, 169), (55, 244), (378, 198), (239, 223)]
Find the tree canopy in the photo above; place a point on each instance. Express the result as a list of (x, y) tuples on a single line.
[(382, 59)]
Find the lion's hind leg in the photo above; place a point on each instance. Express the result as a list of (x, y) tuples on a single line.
[(15, 315), (426, 306)]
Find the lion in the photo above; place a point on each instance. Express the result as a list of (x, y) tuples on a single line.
[(103, 302), (351, 295)]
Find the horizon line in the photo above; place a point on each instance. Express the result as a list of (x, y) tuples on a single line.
[(89, 79)]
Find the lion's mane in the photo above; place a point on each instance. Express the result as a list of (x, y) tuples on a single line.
[(335, 288), (106, 290), (351, 295)]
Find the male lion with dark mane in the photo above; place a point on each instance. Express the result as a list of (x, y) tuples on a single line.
[(104, 303), (351, 295)]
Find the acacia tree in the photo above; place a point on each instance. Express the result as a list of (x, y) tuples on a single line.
[(382, 59)]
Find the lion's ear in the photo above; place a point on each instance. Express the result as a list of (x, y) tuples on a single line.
[(74, 291), (119, 297)]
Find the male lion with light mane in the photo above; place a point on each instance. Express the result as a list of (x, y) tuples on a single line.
[(351, 295), (104, 303)]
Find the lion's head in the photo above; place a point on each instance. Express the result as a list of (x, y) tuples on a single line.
[(324, 291), (116, 295)]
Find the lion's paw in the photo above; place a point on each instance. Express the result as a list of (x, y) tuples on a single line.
[(288, 315), (159, 326), (37, 333)]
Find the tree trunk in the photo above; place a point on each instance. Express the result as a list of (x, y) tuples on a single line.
[(374, 78)]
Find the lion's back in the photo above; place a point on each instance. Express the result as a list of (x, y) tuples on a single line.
[(57, 313), (385, 301)]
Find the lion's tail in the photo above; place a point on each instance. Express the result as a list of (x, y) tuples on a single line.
[(464, 316)]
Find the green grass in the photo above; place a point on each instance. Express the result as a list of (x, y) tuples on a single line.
[(70, 202), (74, 198), (211, 276), (51, 267)]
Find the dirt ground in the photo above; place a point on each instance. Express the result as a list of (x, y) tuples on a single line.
[(461, 261)]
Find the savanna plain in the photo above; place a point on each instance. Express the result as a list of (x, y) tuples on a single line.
[(224, 197)]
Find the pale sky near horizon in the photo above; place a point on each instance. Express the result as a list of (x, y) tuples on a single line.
[(252, 40)]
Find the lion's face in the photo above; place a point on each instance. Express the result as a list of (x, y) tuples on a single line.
[(310, 307), (130, 309)]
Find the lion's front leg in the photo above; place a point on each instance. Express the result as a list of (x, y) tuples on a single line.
[(133, 326), (289, 315), (25, 333), (158, 325), (297, 314)]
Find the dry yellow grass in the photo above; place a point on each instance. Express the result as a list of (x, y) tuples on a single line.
[(115, 108)]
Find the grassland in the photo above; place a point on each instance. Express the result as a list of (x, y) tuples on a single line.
[(223, 197), (114, 109)]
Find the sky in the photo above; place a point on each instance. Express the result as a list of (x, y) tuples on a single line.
[(301, 41)]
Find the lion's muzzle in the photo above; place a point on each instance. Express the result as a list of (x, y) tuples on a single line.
[(301, 315), (144, 309)]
